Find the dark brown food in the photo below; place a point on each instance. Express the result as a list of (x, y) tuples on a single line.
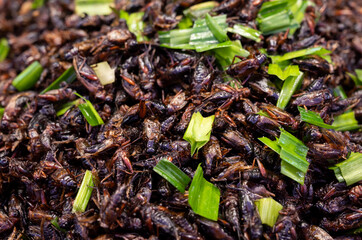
[(146, 112)]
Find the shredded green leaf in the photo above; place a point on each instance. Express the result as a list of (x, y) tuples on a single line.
[(273, 145), (204, 197), (350, 170), (28, 78), (225, 55), (68, 76), (339, 92), (93, 7), (293, 153), (275, 16), (84, 193), (357, 79), (217, 31), (89, 112), (198, 131), (172, 174), (246, 32), (319, 51), (199, 10), (201, 34), (291, 70), (268, 210), (298, 10), (290, 85), (65, 107), (185, 23), (135, 23), (37, 4), (313, 118), (1, 112), (4, 49), (346, 122), (55, 223)]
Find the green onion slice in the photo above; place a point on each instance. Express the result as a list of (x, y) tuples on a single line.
[(28, 78), (89, 112), (68, 76), (198, 131), (204, 197), (268, 210), (216, 30), (246, 32), (290, 70), (290, 85), (319, 51), (4, 49), (84, 193), (172, 174), (313, 118)]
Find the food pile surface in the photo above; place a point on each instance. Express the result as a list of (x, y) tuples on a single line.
[(238, 119)]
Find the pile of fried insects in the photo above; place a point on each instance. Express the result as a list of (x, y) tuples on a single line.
[(180, 119)]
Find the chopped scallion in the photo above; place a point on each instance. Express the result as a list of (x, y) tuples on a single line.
[(4, 49), (68, 76), (313, 118), (268, 210), (84, 193), (104, 72), (27, 78), (89, 112), (204, 197), (172, 174), (198, 131), (290, 85), (246, 32)]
